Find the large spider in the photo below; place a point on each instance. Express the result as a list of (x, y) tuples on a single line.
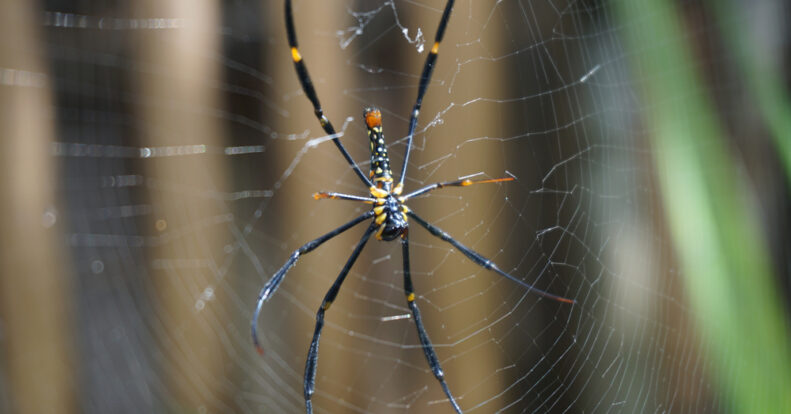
[(390, 214)]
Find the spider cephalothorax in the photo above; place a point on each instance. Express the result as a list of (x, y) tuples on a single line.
[(388, 212), (391, 216)]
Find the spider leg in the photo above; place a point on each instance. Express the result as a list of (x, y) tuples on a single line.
[(428, 349), (310, 92), (271, 286), (340, 196), (313, 353), (482, 261), (457, 183), (425, 78)]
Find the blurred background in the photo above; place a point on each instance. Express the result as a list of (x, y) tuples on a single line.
[(158, 160)]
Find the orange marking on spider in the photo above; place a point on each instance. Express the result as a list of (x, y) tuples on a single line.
[(493, 180), (373, 118)]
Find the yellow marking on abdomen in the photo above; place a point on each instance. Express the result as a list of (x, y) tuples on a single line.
[(377, 192), (295, 54)]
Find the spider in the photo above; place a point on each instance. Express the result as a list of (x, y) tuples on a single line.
[(389, 213)]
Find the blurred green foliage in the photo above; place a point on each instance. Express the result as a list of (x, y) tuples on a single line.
[(761, 76), (723, 255)]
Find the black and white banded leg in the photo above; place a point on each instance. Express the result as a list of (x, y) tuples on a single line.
[(310, 91), (271, 286), (425, 79), (482, 261), (428, 349), (313, 352)]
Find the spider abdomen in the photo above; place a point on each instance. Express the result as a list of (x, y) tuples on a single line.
[(380, 173)]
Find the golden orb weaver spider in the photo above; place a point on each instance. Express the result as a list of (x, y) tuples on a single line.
[(390, 214)]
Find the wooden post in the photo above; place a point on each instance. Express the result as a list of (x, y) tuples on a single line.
[(178, 94), (35, 308)]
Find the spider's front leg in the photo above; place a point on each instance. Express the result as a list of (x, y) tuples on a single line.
[(313, 352), (271, 286), (428, 349)]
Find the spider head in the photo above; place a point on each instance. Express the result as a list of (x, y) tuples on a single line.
[(394, 226), (393, 220)]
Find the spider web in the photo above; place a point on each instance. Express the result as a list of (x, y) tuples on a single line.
[(180, 203)]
